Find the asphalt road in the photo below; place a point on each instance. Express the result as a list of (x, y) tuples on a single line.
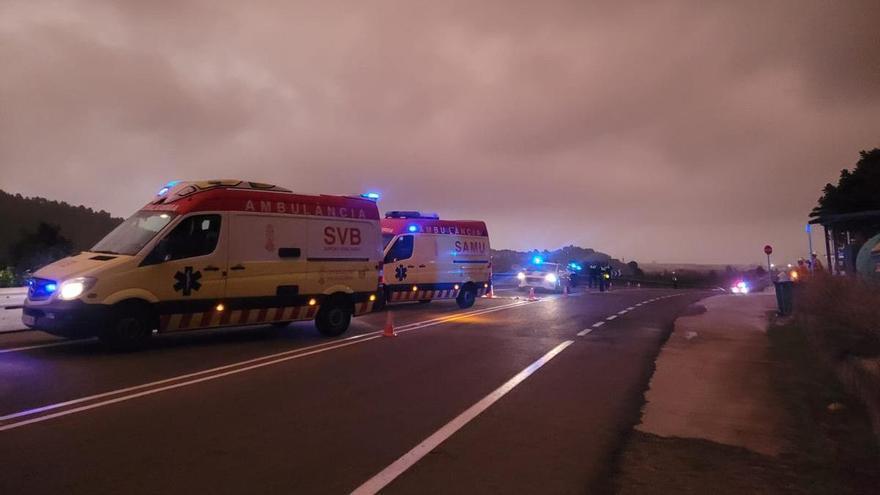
[(509, 396)]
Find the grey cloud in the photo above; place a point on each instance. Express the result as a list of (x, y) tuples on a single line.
[(674, 131)]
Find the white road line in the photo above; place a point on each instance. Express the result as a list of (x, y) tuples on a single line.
[(50, 407), (584, 332), (630, 308), (611, 317), (623, 312), (398, 467), (176, 385), (458, 316), (598, 324), (274, 359), (39, 346)]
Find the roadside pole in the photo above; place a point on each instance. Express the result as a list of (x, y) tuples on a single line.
[(768, 250)]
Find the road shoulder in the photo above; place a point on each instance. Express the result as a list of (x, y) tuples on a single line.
[(730, 410)]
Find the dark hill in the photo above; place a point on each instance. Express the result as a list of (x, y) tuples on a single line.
[(20, 215)]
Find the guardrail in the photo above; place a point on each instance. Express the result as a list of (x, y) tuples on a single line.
[(12, 297)]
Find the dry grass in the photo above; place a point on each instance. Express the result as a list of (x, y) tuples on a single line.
[(842, 314)]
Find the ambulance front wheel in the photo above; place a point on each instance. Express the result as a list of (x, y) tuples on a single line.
[(333, 318), (467, 297), (129, 328)]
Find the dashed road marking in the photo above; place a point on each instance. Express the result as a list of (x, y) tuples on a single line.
[(598, 324), (406, 461), (611, 317), (623, 312), (584, 332)]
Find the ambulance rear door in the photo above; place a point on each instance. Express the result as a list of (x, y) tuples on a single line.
[(470, 257), (267, 258)]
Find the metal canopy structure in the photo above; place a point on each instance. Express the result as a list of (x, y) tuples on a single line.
[(829, 223)]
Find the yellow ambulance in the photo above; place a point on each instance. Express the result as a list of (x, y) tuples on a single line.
[(216, 253), (429, 258)]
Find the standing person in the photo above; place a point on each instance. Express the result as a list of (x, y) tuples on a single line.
[(594, 275), (817, 264)]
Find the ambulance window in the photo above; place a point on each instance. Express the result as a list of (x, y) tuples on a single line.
[(194, 236), (401, 250)]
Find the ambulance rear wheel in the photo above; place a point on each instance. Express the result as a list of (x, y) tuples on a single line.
[(333, 318), (129, 329), (466, 298)]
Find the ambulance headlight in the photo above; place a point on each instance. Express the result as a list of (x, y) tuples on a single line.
[(73, 288), (550, 277), (521, 276)]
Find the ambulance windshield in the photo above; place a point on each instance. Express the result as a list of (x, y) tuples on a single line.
[(386, 238), (134, 233)]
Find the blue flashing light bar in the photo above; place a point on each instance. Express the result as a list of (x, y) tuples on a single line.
[(537, 260), (51, 287), (167, 187), (371, 195), (413, 228)]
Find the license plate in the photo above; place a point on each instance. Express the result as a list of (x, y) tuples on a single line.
[(28, 320)]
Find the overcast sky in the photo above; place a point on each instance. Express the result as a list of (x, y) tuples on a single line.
[(669, 131)]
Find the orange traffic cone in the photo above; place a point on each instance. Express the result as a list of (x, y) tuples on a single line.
[(491, 293), (532, 294), (389, 325)]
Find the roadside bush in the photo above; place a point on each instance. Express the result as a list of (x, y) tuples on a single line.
[(8, 278), (843, 314)]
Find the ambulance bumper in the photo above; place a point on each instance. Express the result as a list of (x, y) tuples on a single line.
[(71, 319)]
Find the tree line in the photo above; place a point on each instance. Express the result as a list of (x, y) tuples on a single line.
[(38, 231)]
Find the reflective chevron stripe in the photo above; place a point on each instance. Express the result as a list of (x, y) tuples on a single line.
[(241, 317)]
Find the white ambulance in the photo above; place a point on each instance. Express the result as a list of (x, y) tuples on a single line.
[(427, 258), (214, 254)]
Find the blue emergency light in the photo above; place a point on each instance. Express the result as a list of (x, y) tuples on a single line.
[(167, 187), (413, 228), (371, 195), (537, 260)]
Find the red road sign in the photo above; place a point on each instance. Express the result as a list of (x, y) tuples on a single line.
[(768, 249)]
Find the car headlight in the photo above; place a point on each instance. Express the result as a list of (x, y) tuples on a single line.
[(550, 277), (521, 276), (73, 288)]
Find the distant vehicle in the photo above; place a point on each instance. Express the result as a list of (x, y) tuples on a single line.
[(549, 276), (427, 258), (740, 287), (213, 254)]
